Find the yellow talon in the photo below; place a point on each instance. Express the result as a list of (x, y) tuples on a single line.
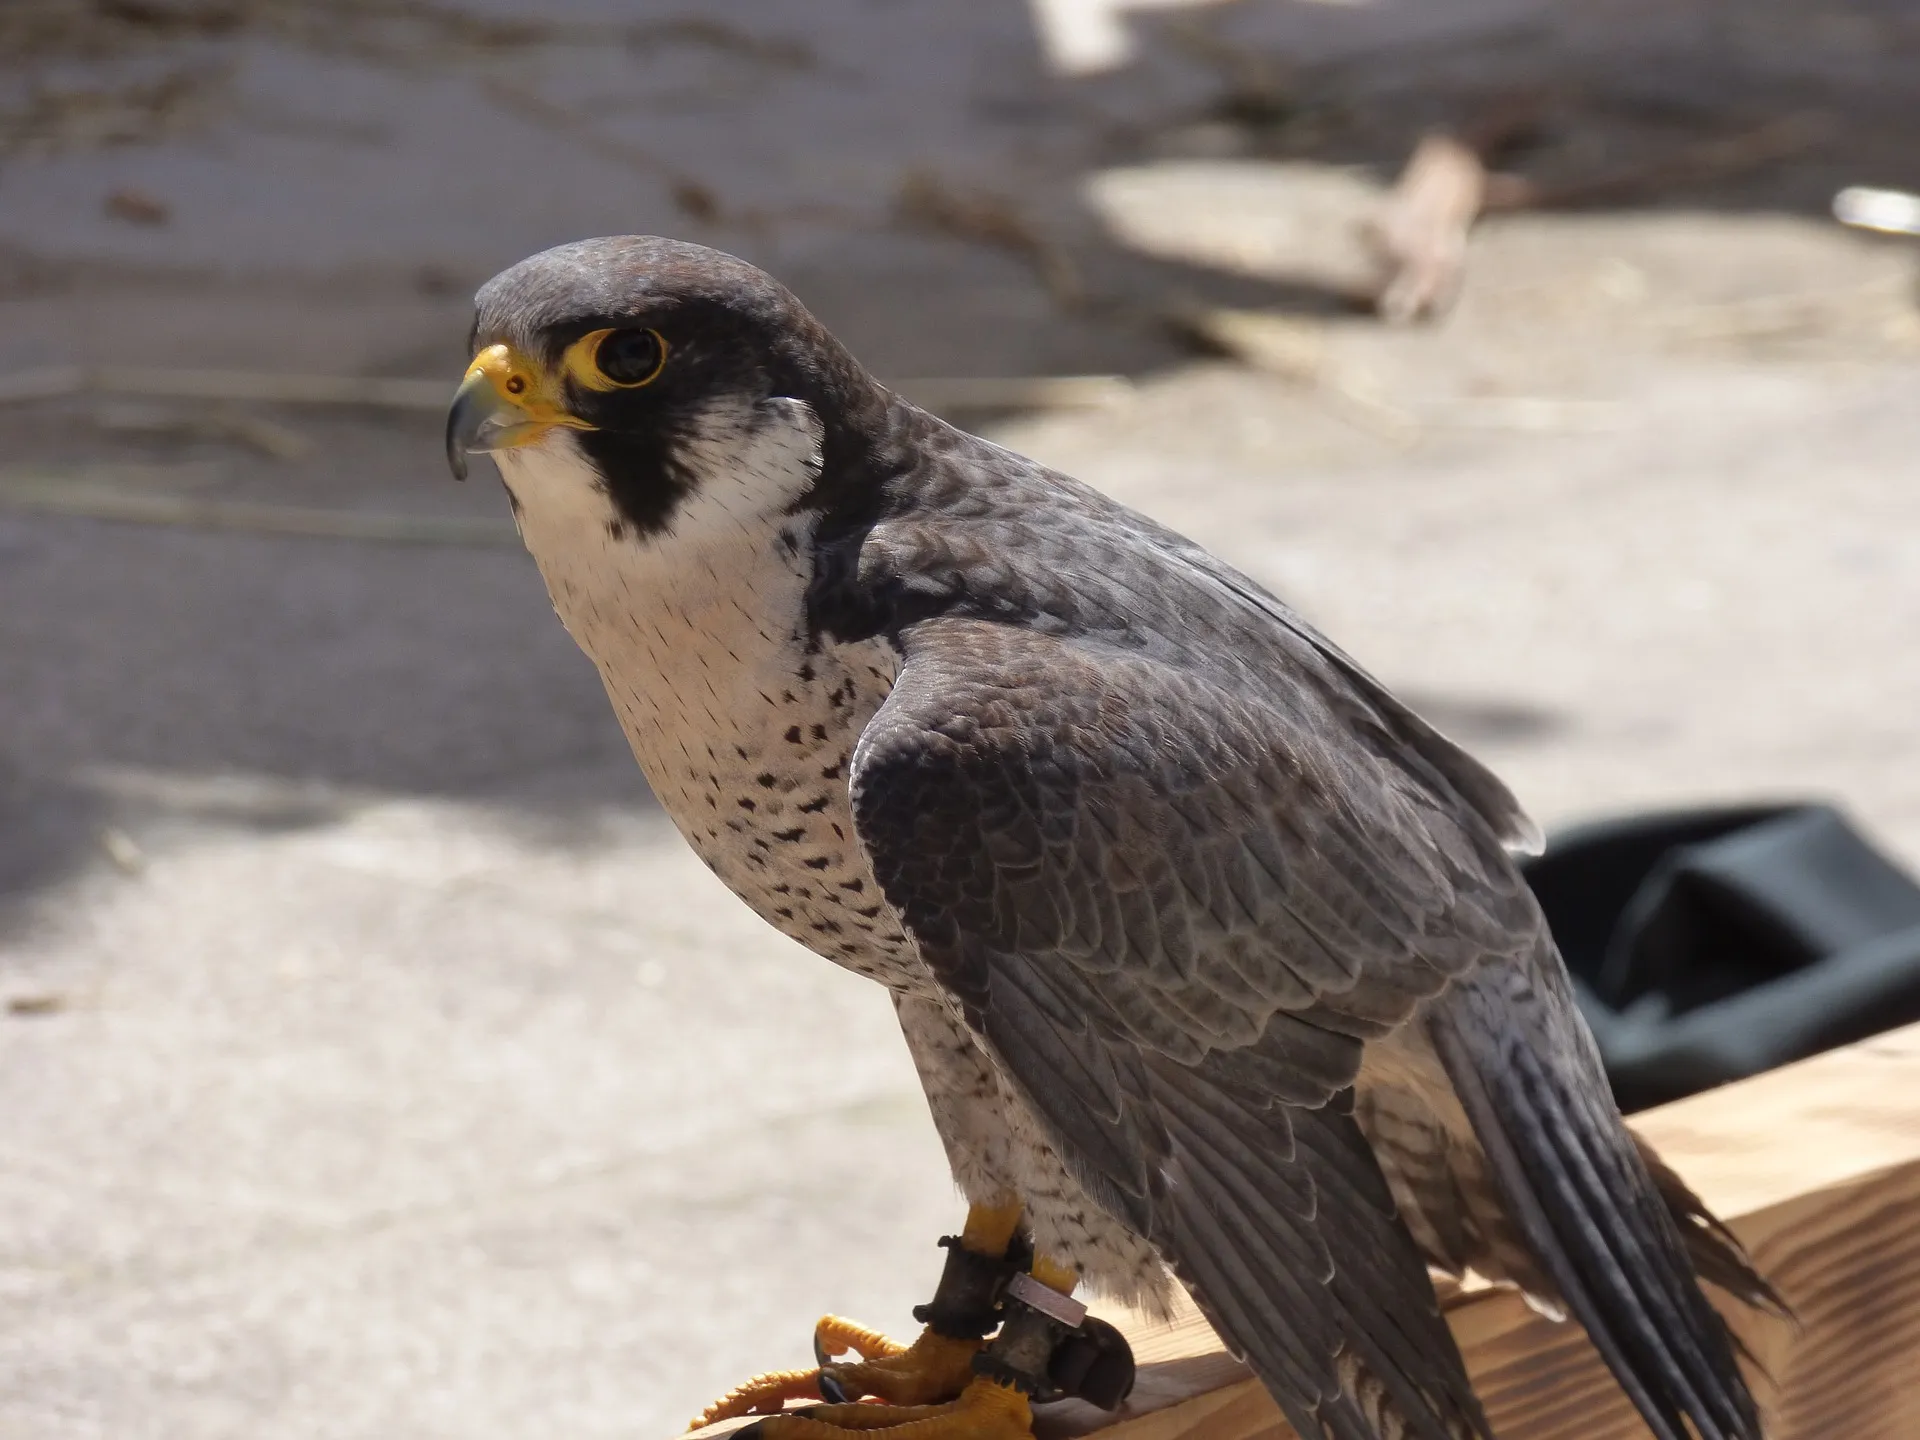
[(985, 1410), (914, 1382), (762, 1395), (835, 1336), (932, 1369)]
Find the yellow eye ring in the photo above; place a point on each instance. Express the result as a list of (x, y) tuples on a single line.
[(617, 359)]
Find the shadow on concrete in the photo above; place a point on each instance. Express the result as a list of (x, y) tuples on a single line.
[(1634, 103), (963, 245)]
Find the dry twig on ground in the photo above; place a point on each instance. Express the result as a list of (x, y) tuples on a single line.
[(1421, 230)]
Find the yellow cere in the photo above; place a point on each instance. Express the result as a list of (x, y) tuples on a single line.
[(524, 386)]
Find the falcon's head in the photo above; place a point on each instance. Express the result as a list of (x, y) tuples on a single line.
[(652, 367)]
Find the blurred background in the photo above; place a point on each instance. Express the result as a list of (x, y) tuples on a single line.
[(374, 1060)]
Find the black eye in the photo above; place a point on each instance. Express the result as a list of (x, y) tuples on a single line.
[(631, 357)]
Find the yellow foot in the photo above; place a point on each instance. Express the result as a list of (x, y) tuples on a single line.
[(985, 1410), (932, 1369), (762, 1395)]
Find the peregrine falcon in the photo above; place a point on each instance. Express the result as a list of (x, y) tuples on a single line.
[(1211, 954)]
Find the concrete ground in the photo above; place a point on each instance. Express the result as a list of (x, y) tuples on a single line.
[(374, 1060)]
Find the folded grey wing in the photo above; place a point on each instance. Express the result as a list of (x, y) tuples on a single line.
[(1173, 910), (1371, 710)]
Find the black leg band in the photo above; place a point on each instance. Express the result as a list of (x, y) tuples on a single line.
[(966, 1305)]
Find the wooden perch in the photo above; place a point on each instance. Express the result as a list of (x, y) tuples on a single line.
[(1816, 1167)]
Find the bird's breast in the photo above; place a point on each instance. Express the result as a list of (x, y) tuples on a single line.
[(744, 726), (752, 763)]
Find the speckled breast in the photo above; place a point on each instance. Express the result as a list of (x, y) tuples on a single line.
[(762, 797)]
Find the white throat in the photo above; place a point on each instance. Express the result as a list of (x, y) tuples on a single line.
[(721, 555), (689, 623)]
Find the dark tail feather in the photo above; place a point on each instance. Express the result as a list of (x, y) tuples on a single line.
[(1716, 1252), (1594, 1216)]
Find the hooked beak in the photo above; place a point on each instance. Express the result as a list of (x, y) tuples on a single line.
[(502, 402), (477, 411)]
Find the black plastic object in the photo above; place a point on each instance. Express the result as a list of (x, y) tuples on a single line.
[(1046, 1359), (1094, 1364), (1713, 944)]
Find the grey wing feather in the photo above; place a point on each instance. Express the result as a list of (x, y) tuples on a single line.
[(1097, 935), (1376, 708), (1275, 1216)]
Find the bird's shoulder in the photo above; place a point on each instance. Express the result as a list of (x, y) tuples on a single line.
[(961, 532), (951, 524)]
